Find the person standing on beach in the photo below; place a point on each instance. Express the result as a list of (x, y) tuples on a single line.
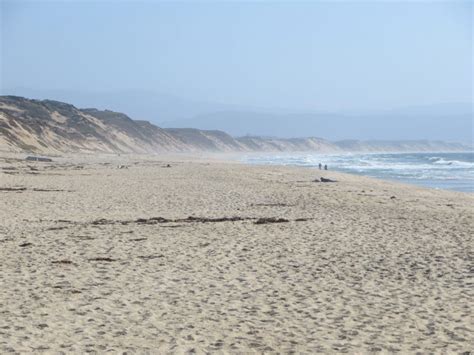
[(320, 166), (325, 167)]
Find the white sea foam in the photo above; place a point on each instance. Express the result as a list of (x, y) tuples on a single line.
[(442, 161), (442, 170)]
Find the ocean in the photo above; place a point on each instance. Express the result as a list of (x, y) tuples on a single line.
[(450, 171)]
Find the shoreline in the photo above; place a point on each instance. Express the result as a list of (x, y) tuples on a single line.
[(224, 158), (388, 166)]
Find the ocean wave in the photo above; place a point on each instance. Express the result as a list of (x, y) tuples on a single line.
[(442, 161), (445, 170)]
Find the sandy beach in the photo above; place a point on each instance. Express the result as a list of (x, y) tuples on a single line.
[(174, 255)]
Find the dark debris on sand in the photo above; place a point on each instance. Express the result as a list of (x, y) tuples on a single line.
[(183, 221), (20, 189), (56, 228), (65, 262), (324, 180), (12, 189), (103, 259), (207, 220), (271, 220)]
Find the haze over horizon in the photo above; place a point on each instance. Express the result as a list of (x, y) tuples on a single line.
[(177, 64)]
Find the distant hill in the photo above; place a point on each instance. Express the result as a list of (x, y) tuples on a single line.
[(47, 127), (140, 104), (401, 146), (439, 122), (52, 126), (442, 121)]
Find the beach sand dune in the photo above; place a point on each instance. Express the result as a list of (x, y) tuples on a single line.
[(206, 256)]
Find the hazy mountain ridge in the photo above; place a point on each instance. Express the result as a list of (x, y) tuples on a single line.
[(269, 144), (401, 146), (46, 126), (407, 124), (446, 121), (206, 140)]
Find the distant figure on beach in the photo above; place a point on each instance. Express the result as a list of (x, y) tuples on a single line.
[(325, 167), (320, 166)]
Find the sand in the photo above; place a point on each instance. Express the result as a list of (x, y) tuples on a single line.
[(96, 258)]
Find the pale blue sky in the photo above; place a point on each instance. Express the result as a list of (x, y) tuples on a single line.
[(307, 55)]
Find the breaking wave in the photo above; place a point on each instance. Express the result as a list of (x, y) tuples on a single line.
[(453, 171)]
